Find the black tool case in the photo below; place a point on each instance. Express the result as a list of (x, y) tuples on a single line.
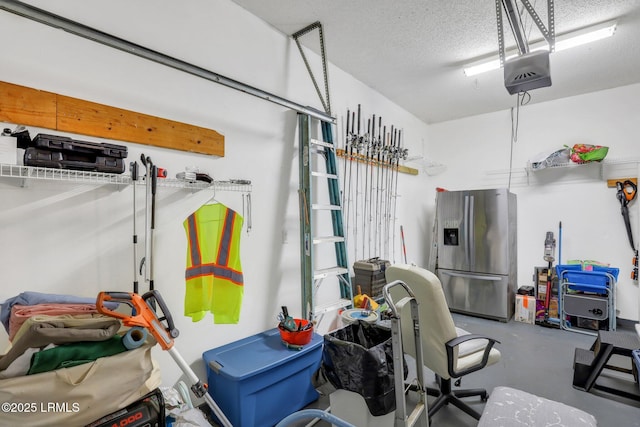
[(65, 160), (370, 276), (54, 151)]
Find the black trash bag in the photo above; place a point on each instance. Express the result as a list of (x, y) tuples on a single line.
[(359, 358)]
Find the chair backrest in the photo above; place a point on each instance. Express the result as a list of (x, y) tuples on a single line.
[(436, 323)]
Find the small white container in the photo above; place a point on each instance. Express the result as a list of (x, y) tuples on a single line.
[(8, 150)]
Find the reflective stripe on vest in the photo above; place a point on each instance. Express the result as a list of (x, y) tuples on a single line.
[(220, 268), (215, 270)]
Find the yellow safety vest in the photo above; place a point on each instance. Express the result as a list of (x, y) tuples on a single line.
[(214, 280)]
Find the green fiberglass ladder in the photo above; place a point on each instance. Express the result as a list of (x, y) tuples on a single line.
[(316, 209)]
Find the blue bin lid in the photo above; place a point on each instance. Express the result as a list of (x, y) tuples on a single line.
[(255, 354)]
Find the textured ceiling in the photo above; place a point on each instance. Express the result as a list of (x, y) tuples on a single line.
[(412, 51)]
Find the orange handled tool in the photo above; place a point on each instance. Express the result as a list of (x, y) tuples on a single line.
[(144, 315)]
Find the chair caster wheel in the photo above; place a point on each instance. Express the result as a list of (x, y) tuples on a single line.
[(484, 397)]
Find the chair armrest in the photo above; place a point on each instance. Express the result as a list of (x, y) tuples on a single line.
[(451, 344)]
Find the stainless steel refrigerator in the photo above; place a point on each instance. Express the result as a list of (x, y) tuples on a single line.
[(477, 251)]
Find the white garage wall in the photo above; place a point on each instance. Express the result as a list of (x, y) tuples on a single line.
[(76, 238), (477, 151)]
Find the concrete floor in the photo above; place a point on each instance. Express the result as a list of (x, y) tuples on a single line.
[(537, 360)]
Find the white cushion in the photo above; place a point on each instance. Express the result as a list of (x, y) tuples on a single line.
[(508, 407), (470, 346)]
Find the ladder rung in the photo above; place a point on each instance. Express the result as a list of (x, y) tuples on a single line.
[(328, 239), (327, 207), (322, 143), (328, 272), (333, 306), (324, 175)]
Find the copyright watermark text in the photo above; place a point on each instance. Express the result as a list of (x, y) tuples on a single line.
[(32, 407)]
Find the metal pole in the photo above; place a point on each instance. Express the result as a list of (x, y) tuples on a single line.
[(44, 17), (351, 138), (366, 184), (133, 166), (395, 192), (355, 220), (370, 161)]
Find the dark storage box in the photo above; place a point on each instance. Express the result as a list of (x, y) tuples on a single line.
[(72, 160), (63, 143), (370, 276), (61, 152)]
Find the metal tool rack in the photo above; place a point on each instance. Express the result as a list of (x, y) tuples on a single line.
[(587, 294)]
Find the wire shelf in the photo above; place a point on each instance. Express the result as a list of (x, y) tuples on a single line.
[(603, 163), (49, 174), (68, 175)]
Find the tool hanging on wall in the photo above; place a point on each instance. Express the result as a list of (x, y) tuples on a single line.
[(626, 193), (246, 198), (151, 181), (133, 167)]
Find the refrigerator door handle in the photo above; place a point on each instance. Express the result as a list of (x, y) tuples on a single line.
[(473, 276), (471, 242), (465, 224)]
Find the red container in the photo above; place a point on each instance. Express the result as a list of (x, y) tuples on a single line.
[(297, 337)]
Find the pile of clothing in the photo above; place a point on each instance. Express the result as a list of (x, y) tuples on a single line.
[(49, 331), (61, 348)]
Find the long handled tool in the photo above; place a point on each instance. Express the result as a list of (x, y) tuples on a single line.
[(133, 166), (151, 180), (626, 193), (549, 256), (162, 329), (404, 248)]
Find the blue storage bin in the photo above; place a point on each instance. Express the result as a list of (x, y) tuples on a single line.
[(257, 381)]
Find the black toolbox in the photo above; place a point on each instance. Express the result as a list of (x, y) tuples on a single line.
[(370, 276), (61, 152), (69, 160)]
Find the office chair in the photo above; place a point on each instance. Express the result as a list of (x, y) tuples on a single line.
[(448, 351)]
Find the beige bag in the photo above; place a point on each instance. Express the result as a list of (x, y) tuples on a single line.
[(81, 394)]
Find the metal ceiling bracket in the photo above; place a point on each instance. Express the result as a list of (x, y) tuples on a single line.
[(515, 21), (548, 33), (81, 30), (325, 100), (500, 32)]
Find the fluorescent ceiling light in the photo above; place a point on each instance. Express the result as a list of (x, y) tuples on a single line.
[(563, 42)]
